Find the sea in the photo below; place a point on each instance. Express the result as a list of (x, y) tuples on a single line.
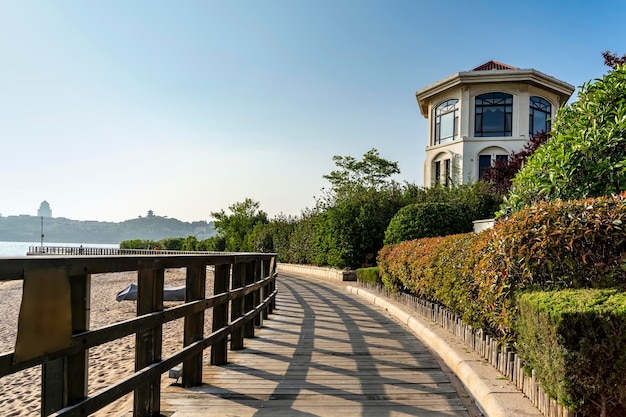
[(21, 248)]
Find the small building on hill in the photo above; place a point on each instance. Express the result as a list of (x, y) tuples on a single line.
[(44, 210), (476, 117)]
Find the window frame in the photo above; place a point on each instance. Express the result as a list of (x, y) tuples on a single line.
[(539, 104), (450, 106), (493, 100)]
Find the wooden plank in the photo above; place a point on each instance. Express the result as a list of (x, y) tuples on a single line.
[(249, 300), (195, 289), (237, 306), (78, 364), (323, 354), (258, 295), (148, 342), (64, 380), (219, 350)]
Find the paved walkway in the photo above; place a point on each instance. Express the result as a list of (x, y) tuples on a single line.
[(323, 353)]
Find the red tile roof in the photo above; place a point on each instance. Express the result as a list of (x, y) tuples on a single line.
[(494, 65)]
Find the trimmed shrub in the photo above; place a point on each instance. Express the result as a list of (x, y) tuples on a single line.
[(426, 220), (574, 339), (368, 275), (571, 244), (402, 266), (438, 269)]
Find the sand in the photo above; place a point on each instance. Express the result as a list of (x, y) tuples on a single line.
[(108, 363)]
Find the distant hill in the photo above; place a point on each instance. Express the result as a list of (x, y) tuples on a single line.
[(59, 229)]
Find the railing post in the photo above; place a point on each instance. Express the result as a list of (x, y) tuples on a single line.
[(272, 286), (266, 291), (248, 304), (148, 343), (219, 350), (258, 295), (194, 324), (237, 306), (64, 380)]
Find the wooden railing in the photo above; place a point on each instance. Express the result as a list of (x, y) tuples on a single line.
[(244, 293)]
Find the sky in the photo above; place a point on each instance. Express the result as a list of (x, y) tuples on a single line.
[(109, 109)]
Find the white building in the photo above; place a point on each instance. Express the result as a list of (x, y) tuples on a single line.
[(44, 210), (478, 116)]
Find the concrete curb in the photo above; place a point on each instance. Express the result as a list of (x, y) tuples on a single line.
[(493, 392)]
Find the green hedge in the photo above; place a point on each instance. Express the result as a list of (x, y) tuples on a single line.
[(426, 220), (368, 275), (570, 244), (574, 339)]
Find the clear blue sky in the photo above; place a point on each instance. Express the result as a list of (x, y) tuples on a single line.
[(111, 108)]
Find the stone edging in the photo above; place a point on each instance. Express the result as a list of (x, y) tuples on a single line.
[(317, 271)]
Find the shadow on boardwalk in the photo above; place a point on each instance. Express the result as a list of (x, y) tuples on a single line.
[(323, 353)]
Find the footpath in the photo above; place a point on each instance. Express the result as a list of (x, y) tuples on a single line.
[(494, 394)]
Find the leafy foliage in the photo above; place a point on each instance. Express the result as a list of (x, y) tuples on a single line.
[(237, 227), (575, 341), (572, 244), (586, 154), (138, 244), (372, 172), (613, 60), (368, 275), (477, 200), (501, 173), (426, 220)]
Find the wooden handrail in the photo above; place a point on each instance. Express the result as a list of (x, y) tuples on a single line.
[(245, 282)]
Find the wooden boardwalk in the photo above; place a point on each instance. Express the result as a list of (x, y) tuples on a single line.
[(322, 353)]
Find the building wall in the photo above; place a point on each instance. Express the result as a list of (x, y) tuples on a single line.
[(464, 152)]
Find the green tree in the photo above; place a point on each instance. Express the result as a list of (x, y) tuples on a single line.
[(350, 222), (237, 227), (190, 244), (586, 154), (372, 172)]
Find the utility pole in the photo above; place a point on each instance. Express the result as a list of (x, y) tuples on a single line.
[(42, 231)]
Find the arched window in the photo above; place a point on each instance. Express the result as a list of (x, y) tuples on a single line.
[(494, 115), (539, 115), (487, 157), (442, 170), (446, 121)]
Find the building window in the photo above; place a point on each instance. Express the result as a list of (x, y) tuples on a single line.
[(494, 115), (443, 172), (539, 115), (446, 121), (485, 161)]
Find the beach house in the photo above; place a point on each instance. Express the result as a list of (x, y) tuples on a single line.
[(476, 117)]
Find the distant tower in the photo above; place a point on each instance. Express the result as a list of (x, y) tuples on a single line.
[(44, 210)]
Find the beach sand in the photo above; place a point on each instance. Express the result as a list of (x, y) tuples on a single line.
[(108, 363)]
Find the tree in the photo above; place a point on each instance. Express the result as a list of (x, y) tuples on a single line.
[(612, 60), (372, 172), (586, 154), (236, 228), (501, 173)]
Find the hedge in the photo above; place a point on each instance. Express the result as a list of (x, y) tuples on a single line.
[(426, 220), (566, 244), (574, 340), (368, 275)]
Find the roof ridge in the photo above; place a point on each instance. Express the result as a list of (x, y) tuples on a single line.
[(494, 65)]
